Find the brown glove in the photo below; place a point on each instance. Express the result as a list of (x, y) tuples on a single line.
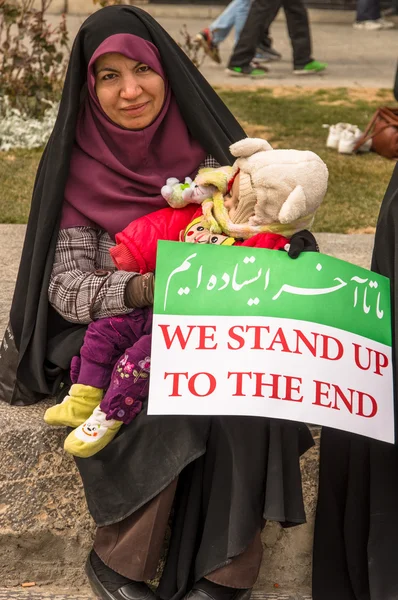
[(139, 291)]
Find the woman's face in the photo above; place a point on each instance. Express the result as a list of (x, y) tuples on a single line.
[(129, 92)]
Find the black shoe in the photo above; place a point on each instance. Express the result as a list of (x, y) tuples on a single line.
[(109, 585), (267, 54), (205, 589)]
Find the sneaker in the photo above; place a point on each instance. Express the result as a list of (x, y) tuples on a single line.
[(386, 24), (205, 40), (260, 61), (368, 25), (334, 135), (311, 68), (349, 139), (267, 54), (247, 71), (374, 25)]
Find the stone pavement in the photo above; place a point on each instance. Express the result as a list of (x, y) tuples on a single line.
[(21, 594), (18, 594), (359, 59)]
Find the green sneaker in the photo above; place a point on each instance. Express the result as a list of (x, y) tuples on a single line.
[(247, 71), (311, 68)]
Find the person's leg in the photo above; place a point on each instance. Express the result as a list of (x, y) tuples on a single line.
[(230, 17), (221, 503), (105, 340), (300, 37), (265, 52), (266, 41), (127, 553), (242, 10), (259, 19), (121, 403), (330, 576), (235, 580), (299, 31), (368, 10), (133, 546), (243, 570)]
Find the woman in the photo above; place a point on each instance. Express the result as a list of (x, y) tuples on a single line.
[(134, 111), (356, 527)]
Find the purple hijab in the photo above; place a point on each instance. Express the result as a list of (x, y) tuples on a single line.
[(116, 174)]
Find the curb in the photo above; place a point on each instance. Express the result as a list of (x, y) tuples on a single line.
[(194, 11)]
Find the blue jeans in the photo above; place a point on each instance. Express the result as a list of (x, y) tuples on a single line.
[(234, 15), (368, 10)]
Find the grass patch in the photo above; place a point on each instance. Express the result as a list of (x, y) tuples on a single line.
[(288, 118), (17, 174), (293, 118)]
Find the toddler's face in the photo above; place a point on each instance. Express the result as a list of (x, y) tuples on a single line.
[(231, 199)]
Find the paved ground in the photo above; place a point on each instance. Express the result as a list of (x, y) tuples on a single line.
[(20, 594), (359, 59)]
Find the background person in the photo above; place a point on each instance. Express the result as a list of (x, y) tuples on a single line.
[(261, 15), (356, 525), (369, 16), (234, 15)]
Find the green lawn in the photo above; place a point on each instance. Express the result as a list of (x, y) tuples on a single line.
[(288, 118), (293, 118), (17, 175)]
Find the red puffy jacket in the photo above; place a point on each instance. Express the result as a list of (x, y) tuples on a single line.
[(136, 245)]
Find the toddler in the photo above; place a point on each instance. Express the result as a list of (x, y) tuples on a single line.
[(261, 201)]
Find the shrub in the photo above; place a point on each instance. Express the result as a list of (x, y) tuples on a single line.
[(33, 55)]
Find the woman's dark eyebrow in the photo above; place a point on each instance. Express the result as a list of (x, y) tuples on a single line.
[(105, 68)]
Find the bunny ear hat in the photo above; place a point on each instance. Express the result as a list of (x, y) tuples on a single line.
[(289, 185)]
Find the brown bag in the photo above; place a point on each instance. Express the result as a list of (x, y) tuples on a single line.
[(383, 131)]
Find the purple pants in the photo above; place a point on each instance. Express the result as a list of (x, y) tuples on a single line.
[(126, 341)]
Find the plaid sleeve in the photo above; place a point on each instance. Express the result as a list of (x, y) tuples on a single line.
[(84, 283), (209, 162)]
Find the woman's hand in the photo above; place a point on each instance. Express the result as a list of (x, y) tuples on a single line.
[(139, 291), (302, 241)]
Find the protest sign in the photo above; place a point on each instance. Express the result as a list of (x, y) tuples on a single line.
[(248, 331)]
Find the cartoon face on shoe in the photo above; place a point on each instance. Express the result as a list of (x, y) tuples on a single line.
[(197, 233), (90, 429)]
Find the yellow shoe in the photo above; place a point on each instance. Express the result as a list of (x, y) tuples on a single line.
[(76, 407), (93, 435)]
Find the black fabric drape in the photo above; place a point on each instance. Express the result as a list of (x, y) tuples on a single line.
[(233, 473), (44, 341), (356, 526)]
